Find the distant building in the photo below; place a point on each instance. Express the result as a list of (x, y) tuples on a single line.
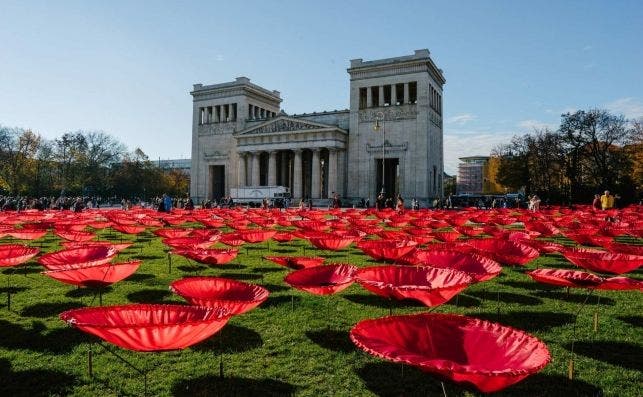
[(176, 164), (478, 175)]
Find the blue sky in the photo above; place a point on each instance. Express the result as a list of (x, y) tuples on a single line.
[(127, 67)]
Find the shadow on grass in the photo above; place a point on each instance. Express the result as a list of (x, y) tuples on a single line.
[(85, 292), (463, 300), (33, 383), (619, 354), (284, 250), (275, 288), (275, 301), (60, 340), (243, 276), (140, 277), (378, 301), (506, 297), (388, 379), (231, 339), (636, 321), (528, 285), (273, 269), (212, 385), (148, 295), (13, 290), (147, 256), (231, 266), (22, 270), (43, 310), (573, 297), (528, 321), (543, 385), (191, 268), (337, 341)]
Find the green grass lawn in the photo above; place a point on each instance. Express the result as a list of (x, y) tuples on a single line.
[(297, 343)]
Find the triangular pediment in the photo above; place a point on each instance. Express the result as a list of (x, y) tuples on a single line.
[(286, 124)]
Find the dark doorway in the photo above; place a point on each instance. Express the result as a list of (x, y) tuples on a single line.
[(218, 181), (390, 174)]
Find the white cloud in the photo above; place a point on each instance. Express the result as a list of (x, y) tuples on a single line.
[(461, 143), (535, 125), (587, 48), (461, 119), (630, 107)]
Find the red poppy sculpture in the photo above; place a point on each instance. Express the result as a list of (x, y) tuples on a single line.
[(505, 252), (296, 262), (16, 254), (94, 276), (74, 257), (322, 280), (235, 296), (428, 285), (385, 250), (462, 349), (149, 327), (479, 267), (603, 262), (211, 256)]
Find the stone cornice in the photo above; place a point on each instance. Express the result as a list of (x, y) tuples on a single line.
[(388, 147), (285, 124), (237, 90)]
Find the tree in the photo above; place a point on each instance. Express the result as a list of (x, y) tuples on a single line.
[(17, 150)]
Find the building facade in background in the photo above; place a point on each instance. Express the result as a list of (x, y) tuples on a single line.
[(241, 137), (477, 175)]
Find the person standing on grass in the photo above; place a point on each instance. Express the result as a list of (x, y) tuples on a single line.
[(596, 204), (607, 201)]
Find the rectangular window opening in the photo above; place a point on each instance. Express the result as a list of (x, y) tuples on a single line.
[(362, 98), (399, 94), (375, 96), (413, 92), (387, 95)]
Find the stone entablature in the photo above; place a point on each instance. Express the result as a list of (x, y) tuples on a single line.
[(390, 113), (417, 63)]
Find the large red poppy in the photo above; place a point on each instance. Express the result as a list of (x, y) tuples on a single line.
[(384, 250), (603, 262), (296, 262), (94, 276), (147, 327), (621, 284), (76, 244), (429, 285), (128, 229), (479, 267), (70, 235), (322, 280), (331, 243), (173, 232), (188, 242), (235, 296), (256, 235), (25, 234), (73, 257), (621, 248), (566, 278), (212, 256), (504, 251), (15, 254), (466, 350)]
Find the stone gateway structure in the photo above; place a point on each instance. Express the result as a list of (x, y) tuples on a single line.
[(240, 137)]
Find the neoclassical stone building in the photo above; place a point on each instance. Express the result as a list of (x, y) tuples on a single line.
[(240, 137)]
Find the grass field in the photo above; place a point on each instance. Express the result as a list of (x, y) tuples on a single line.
[(297, 343)]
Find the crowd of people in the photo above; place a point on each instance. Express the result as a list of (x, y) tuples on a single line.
[(19, 203)]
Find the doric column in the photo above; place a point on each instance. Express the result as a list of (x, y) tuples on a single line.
[(316, 175), (393, 94), (272, 168), (332, 171), (296, 172), (285, 178), (242, 169), (255, 169), (381, 96), (369, 97), (406, 92), (341, 174), (224, 114)]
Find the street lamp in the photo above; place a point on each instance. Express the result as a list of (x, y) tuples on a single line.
[(379, 124)]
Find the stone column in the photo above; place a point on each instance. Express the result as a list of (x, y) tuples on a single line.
[(381, 96), (233, 116), (369, 97), (316, 175), (332, 171), (285, 178), (393, 94), (215, 113), (255, 169), (296, 172), (224, 114), (341, 175), (272, 168), (406, 93), (242, 169)]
